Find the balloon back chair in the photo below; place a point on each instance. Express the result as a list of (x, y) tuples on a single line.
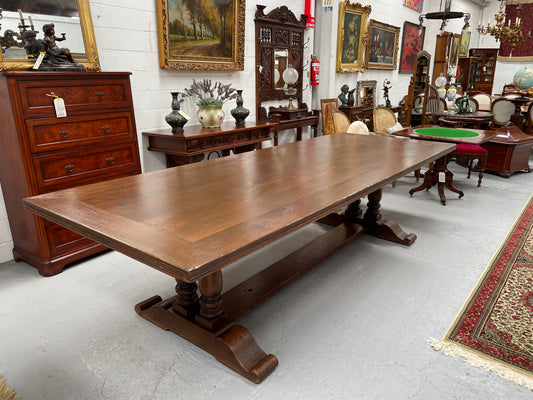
[(326, 107)]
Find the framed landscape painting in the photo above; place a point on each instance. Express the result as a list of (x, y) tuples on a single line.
[(465, 44), (412, 44), (206, 35), (351, 36), (382, 46)]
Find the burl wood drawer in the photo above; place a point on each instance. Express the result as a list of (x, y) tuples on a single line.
[(49, 134), (79, 96), (76, 167), (61, 240)]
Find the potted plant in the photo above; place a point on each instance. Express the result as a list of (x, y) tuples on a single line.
[(210, 98)]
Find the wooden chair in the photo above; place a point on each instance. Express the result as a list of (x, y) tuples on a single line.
[(341, 122), (358, 128), (483, 99), (502, 109), (327, 106), (383, 118), (473, 104), (465, 155)]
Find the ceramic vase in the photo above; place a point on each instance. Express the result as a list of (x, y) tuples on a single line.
[(210, 116), (239, 113), (451, 93), (176, 119)]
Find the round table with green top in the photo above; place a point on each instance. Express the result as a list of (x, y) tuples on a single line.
[(439, 174)]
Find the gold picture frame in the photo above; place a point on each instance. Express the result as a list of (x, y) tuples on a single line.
[(352, 36), (214, 53), (382, 46), (454, 50), (89, 59)]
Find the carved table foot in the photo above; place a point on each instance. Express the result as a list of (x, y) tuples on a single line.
[(379, 227)]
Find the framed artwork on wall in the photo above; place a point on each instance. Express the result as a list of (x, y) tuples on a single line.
[(465, 44), (454, 50), (210, 37), (412, 44), (414, 4), (351, 36), (382, 46)]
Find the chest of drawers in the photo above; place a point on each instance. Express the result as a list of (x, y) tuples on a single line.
[(41, 152)]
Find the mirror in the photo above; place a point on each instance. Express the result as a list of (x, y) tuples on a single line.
[(279, 45), (72, 17), (281, 61), (367, 93)]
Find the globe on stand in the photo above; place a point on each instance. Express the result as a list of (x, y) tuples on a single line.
[(523, 80)]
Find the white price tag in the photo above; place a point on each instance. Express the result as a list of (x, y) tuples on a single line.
[(39, 60), (442, 177), (184, 115), (59, 105)]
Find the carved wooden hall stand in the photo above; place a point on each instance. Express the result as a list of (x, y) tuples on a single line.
[(191, 222)]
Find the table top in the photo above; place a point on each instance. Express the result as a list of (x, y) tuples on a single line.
[(193, 220), (478, 115), (197, 131), (441, 134)]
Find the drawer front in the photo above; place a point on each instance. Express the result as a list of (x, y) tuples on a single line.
[(82, 95), (79, 167), (62, 240), (82, 130)]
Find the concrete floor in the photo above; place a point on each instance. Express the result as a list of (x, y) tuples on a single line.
[(355, 327)]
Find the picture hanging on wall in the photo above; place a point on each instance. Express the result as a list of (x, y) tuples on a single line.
[(465, 44), (351, 36), (412, 44), (414, 4), (454, 50), (210, 37), (382, 46)]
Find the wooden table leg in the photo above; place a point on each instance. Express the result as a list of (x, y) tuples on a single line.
[(438, 175), (384, 228), (205, 324)]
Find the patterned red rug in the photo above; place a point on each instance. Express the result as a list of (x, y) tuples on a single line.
[(494, 329)]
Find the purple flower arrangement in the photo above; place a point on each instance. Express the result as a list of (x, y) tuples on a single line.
[(209, 94)]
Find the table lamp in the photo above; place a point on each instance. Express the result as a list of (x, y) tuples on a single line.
[(290, 76)]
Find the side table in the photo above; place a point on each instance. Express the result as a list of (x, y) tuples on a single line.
[(190, 145)]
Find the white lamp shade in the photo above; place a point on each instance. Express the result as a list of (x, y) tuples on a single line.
[(276, 76), (290, 76)]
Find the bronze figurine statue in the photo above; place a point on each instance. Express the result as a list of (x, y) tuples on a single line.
[(57, 58)]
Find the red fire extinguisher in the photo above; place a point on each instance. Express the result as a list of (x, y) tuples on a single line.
[(315, 71)]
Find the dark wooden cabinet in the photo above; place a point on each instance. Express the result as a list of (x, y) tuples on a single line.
[(41, 152), (482, 74), (467, 66)]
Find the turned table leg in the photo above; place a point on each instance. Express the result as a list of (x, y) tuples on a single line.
[(384, 228)]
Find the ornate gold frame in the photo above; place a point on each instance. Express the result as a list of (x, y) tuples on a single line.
[(358, 64), (235, 63), (385, 27), (92, 63)]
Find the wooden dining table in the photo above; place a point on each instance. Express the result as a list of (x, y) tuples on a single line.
[(192, 221)]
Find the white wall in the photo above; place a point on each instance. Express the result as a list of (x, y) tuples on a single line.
[(126, 39)]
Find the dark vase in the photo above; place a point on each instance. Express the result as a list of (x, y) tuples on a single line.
[(176, 119), (239, 113), (351, 99)]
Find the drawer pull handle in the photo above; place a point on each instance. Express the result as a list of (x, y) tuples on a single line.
[(110, 160), (105, 128), (63, 133), (69, 167), (101, 95)]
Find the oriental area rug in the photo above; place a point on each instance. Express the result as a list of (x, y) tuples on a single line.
[(494, 329), (6, 393)]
